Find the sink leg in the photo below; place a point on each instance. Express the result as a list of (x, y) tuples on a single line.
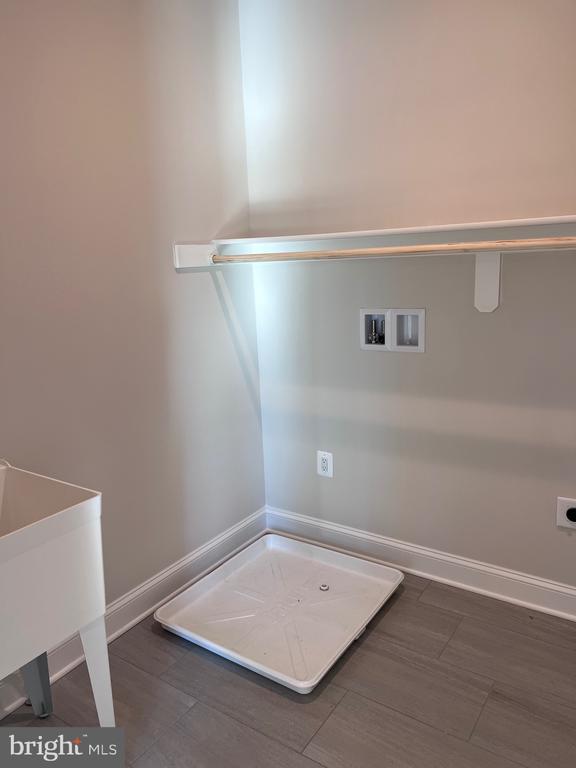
[(37, 682), (93, 638)]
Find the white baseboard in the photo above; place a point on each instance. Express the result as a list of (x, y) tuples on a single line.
[(141, 601), (502, 583)]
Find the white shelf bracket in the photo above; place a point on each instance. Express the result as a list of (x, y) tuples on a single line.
[(189, 257), (487, 288)]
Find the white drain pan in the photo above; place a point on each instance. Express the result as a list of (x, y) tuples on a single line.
[(283, 608)]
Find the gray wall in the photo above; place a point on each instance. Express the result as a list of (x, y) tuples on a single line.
[(121, 132), (384, 113), (365, 114), (463, 448)]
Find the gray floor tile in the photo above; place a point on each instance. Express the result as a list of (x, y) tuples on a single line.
[(404, 707), (533, 730), (268, 707), (144, 704), (412, 586), (23, 717), (512, 658), (422, 628), (505, 615), (205, 738), (363, 734), (472, 604), (553, 630), (423, 688), (150, 647)]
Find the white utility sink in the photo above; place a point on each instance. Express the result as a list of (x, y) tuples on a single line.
[(51, 577)]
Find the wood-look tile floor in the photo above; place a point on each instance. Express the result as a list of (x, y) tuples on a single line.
[(442, 678)]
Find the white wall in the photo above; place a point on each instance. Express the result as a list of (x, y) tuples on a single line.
[(405, 112), (376, 113), (121, 132)]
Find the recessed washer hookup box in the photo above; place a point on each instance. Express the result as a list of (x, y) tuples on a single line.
[(283, 608)]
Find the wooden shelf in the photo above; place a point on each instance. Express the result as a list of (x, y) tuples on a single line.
[(488, 241)]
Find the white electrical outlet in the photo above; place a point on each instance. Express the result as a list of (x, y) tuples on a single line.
[(325, 464), (566, 513)]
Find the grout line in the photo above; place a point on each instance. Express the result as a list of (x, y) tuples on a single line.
[(393, 641), (482, 708), (195, 700), (347, 692), (212, 704), (322, 724), (116, 655), (447, 643), (531, 615), (543, 693), (489, 751), (312, 760), (162, 733), (293, 750), (428, 725), (426, 588), (215, 708), (486, 622), (392, 708), (328, 716)]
